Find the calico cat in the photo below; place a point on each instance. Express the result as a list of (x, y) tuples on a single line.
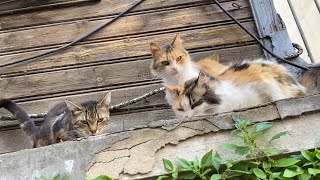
[(65, 121), (173, 64), (241, 85)]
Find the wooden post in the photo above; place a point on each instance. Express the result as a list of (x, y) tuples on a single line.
[(273, 33)]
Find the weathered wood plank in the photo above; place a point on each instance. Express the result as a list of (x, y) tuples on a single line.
[(89, 78), (273, 33), (100, 10), (16, 139), (138, 24), (124, 94), (132, 47), (118, 96), (32, 5)]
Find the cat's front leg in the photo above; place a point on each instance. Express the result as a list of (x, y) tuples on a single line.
[(71, 135)]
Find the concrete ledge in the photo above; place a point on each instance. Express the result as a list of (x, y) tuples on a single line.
[(134, 149)]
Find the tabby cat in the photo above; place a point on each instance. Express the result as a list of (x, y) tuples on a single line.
[(65, 121), (241, 85), (173, 64)]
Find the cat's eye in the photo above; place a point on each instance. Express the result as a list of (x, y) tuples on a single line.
[(84, 122), (100, 120), (179, 59), (165, 63), (180, 109)]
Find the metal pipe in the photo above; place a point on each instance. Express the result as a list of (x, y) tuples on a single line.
[(317, 4), (301, 31)]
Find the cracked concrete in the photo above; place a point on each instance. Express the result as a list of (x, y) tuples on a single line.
[(138, 151)]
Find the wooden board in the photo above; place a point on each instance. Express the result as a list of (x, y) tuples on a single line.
[(32, 5), (107, 76), (115, 50), (96, 11), (116, 59), (122, 94), (153, 22)]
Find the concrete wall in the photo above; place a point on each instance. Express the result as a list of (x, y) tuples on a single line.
[(309, 17), (137, 151)]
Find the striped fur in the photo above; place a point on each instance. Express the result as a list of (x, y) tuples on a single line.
[(241, 85), (65, 121)]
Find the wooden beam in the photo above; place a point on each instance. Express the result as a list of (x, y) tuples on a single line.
[(272, 31), (129, 47)]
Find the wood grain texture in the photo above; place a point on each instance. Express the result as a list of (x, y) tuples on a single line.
[(273, 33), (105, 8), (121, 94), (113, 51), (134, 25), (98, 77), (34, 5)]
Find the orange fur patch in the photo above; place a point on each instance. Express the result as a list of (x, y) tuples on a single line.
[(211, 65)]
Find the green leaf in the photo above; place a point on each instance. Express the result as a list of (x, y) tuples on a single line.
[(229, 146), (308, 164), (275, 175), (291, 173), (215, 177), (175, 175), (263, 126), (259, 173), (304, 176), (167, 164), (216, 161), (242, 172), (196, 162), (185, 164), (285, 162), (241, 123), (308, 155), (205, 172), (277, 136), (242, 150), (162, 177), (187, 175), (313, 171), (318, 154), (272, 151), (266, 165), (206, 160), (103, 177), (298, 156)]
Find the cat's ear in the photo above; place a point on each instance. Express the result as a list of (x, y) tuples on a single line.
[(155, 48), (173, 90), (203, 78), (106, 100), (72, 106), (177, 42)]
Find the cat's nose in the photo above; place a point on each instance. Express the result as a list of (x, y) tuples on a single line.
[(93, 132), (174, 71)]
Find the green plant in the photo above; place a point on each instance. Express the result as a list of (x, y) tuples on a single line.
[(57, 177), (66, 177), (260, 166)]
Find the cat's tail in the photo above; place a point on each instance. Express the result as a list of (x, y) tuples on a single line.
[(27, 124), (310, 79)]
